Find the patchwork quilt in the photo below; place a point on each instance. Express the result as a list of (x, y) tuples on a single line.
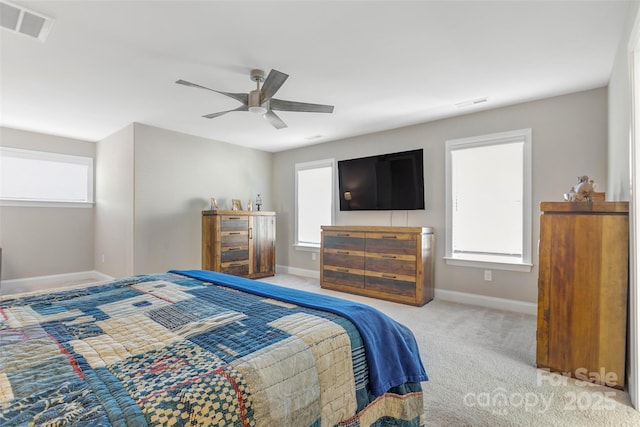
[(167, 349)]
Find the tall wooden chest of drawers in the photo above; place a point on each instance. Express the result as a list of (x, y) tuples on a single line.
[(392, 263), (582, 290), (241, 243)]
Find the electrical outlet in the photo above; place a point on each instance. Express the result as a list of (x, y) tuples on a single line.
[(313, 256), (487, 275)]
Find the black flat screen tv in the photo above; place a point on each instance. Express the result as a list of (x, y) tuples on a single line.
[(392, 181)]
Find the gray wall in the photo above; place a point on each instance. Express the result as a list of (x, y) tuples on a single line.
[(42, 241), (569, 139), (114, 204), (175, 177), (152, 186)]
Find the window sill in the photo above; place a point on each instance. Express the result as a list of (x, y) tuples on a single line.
[(491, 265), (309, 247), (45, 204)]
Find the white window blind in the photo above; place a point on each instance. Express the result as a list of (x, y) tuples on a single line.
[(489, 200), (28, 176), (314, 200)]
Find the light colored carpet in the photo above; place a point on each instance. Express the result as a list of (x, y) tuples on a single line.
[(481, 367)]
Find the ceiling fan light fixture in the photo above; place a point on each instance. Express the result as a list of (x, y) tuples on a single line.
[(258, 109)]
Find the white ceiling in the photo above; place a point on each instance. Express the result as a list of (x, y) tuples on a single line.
[(382, 64)]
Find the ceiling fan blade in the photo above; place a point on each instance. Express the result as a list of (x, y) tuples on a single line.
[(281, 105), (242, 97), (214, 115), (274, 80), (274, 120)]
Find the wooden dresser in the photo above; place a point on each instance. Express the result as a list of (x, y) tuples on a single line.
[(241, 243), (391, 263), (582, 290)]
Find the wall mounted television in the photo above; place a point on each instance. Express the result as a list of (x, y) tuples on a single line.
[(392, 181)]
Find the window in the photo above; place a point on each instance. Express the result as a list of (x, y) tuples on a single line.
[(314, 200), (35, 177), (488, 201)]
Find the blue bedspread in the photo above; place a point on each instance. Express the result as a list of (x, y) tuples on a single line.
[(391, 350)]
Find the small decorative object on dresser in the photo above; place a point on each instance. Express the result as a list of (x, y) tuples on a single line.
[(584, 190), (258, 202), (236, 205), (214, 204), (392, 263)]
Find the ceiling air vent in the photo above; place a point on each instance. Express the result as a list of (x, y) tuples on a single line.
[(24, 21), (471, 102)]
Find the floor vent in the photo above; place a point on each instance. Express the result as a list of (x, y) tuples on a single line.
[(24, 21)]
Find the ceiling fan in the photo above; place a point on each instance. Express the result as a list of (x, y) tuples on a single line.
[(261, 100)]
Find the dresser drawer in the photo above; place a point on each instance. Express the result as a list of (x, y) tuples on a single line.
[(390, 263), (391, 243), (343, 258), (391, 284), (234, 254), (351, 277), (229, 239), (234, 223), (237, 268), (347, 241)]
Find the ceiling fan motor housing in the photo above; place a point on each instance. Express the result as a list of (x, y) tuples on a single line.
[(254, 103)]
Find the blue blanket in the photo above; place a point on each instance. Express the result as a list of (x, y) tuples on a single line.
[(391, 349)]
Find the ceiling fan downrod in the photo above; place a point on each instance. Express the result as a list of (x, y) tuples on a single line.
[(255, 103)]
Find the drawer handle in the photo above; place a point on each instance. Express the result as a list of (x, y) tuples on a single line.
[(236, 264), (389, 237), (343, 234), (234, 217), (235, 249), (388, 276), (234, 232), (388, 256), (342, 270), (343, 252)]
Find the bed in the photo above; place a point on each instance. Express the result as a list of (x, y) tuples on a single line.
[(195, 347)]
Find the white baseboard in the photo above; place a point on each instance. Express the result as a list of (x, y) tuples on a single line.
[(485, 301), (30, 284), (285, 269), (443, 294)]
